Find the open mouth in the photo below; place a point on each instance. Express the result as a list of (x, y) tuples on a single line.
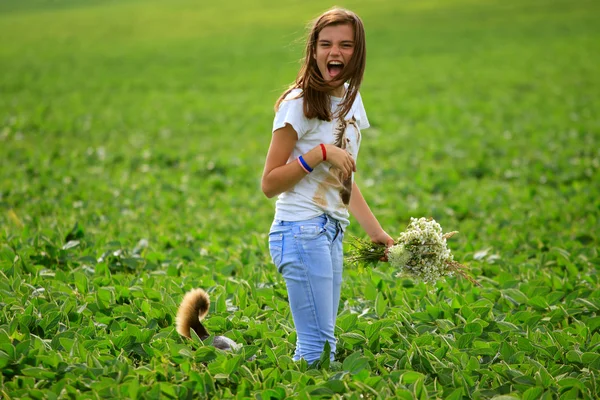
[(334, 68)]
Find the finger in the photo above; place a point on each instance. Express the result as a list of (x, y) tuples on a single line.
[(347, 169), (349, 166), (385, 256)]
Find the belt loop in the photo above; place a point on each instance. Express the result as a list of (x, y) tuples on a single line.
[(338, 229)]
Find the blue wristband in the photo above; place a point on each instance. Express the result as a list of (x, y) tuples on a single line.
[(306, 167)]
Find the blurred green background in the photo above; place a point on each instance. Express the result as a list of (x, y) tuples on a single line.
[(146, 117), (163, 110)]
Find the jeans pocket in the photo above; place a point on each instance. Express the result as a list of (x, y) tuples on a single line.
[(276, 247), (309, 231)]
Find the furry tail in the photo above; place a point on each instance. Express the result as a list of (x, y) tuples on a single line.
[(192, 310)]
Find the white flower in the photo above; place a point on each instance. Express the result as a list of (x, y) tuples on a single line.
[(398, 256), (422, 251)]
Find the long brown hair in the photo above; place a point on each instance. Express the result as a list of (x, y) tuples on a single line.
[(315, 90)]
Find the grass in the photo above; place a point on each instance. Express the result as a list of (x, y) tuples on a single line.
[(132, 140)]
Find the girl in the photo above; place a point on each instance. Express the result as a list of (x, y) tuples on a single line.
[(310, 165)]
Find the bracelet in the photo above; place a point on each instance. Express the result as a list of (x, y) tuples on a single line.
[(304, 165), (324, 151)]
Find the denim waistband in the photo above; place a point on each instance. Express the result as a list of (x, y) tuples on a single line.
[(323, 219), (320, 219)]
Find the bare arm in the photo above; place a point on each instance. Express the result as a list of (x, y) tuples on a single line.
[(280, 176), (360, 210)]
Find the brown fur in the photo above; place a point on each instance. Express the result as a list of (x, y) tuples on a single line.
[(341, 141), (192, 310)]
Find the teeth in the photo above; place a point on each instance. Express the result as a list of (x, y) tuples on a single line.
[(335, 63)]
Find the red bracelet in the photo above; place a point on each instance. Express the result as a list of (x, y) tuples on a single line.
[(324, 151)]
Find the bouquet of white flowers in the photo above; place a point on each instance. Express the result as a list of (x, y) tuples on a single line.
[(420, 252)]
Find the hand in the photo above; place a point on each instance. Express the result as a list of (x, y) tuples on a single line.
[(383, 238), (341, 159)]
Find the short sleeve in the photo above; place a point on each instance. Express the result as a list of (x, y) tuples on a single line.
[(360, 114), (291, 111)]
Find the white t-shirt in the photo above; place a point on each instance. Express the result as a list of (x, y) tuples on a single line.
[(321, 191)]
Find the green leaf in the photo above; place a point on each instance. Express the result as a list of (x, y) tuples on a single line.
[(373, 331), (355, 363), (205, 354), (524, 344), (404, 394), (419, 390), (76, 233), (570, 382), (445, 325), (457, 394), (38, 373), (22, 349), (515, 295), (322, 391), (525, 380), (168, 389), (507, 326), (249, 351), (381, 305), (593, 323), (353, 338), (66, 343), (572, 394), (324, 359), (107, 296), (81, 282), (588, 304), (410, 377), (589, 358), (336, 386), (347, 322), (271, 355), (474, 328), (231, 365), (465, 340), (543, 377), (71, 245), (133, 388), (574, 356), (532, 393), (538, 302)]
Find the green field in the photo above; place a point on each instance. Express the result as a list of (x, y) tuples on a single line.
[(132, 142)]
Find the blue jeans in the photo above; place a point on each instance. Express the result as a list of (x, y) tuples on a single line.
[(309, 255)]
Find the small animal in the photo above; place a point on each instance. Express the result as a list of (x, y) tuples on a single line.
[(191, 312)]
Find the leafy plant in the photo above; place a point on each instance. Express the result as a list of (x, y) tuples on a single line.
[(132, 138)]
